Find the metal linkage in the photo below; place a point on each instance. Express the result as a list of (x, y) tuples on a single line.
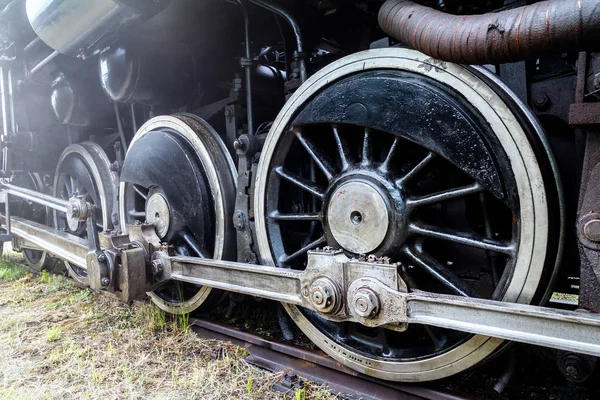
[(565, 330), (68, 247), (55, 203), (371, 293), (367, 291)]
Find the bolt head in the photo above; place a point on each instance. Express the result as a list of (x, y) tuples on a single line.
[(591, 230), (318, 297), (572, 370), (102, 257), (157, 266), (73, 210), (365, 303), (105, 281), (323, 295)]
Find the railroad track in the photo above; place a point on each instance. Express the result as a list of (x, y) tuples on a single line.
[(296, 361)]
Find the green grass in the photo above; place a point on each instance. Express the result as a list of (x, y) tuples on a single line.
[(53, 334), (10, 271)]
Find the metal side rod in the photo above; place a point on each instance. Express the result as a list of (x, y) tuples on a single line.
[(367, 293), (37, 197), (565, 330), (267, 282), (63, 245)]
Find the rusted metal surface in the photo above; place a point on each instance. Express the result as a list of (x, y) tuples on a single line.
[(584, 114), (513, 35), (275, 355)]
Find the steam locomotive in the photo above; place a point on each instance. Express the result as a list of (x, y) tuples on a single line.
[(412, 180)]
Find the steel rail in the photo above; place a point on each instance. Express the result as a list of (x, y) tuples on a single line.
[(316, 366)]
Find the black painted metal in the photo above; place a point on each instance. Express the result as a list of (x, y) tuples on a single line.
[(439, 121)]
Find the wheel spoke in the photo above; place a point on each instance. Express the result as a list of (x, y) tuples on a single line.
[(68, 188), (194, 245), (74, 185), (439, 272), (303, 250), (438, 343), (136, 214), (445, 195), (341, 148), (319, 157), (466, 239), (390, 156), (301, 182), (277, 216), (416, 169), (367, 149), (140, 192)]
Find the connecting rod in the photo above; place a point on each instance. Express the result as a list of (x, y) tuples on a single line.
[(368, 290)]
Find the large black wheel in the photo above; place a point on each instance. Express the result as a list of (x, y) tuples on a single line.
[(391, 153), (179, 177)]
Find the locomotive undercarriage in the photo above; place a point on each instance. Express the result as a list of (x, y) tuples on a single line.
[(408, 212)]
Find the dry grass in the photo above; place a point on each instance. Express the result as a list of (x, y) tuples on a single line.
[(57, 341)]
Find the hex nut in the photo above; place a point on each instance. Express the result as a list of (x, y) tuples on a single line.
[(323, 295), (365, 303)]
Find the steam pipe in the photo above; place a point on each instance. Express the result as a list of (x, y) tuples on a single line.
[(5, 116), (295, 27), (247, 67), (42, 64), (120, 127), (519, 34)]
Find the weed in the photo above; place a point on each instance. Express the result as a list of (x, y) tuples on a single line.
[(53, 334), (183, 318), (249, 386), (9, 271), (45, 277), (301, 394)]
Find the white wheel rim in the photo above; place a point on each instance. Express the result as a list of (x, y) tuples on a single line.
[(534, 210)]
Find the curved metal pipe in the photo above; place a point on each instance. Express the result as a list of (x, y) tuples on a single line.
[(527, 32), (247, 67), (295, 27)]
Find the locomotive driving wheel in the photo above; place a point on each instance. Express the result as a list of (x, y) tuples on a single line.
[(35, 260), (435, 165), (83, 171), (179, 176)]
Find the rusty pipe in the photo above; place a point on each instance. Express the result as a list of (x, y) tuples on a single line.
[(528, 32)]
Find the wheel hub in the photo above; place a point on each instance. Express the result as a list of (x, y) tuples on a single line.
[(357, 217), (157, 214)]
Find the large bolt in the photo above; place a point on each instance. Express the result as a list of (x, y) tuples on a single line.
[(105, 281), (591, 230), (365, 303), (324, 296), (157, 267), (572, 371), (73, 210)]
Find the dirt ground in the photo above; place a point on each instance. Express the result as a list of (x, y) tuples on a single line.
[(58, 341)]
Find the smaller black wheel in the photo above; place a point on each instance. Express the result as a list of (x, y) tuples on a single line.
[(36, 261), (84, 170)]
